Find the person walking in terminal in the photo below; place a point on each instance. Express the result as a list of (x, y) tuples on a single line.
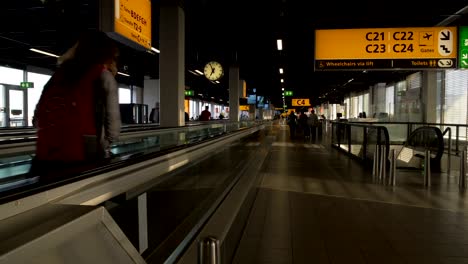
[(78, 114), (292, 123), (205, 114), (313, 123)]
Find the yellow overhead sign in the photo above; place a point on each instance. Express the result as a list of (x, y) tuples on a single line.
[(423, 47), (300, 102), (133, 20), (243, 108)]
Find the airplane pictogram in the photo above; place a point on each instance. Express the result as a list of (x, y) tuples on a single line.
[(427, 36)]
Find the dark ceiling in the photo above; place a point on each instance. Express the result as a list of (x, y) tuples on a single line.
[(238, 32)]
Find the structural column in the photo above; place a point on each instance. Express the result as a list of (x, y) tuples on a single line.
[(234, 88), (172, 64), (429, 96)]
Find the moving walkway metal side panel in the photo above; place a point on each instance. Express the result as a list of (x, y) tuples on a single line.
[(65, 234)]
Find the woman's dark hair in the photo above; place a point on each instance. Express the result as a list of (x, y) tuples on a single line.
[(93, 47)]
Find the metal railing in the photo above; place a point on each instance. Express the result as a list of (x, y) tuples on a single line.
[(399, 131), (358, 139)]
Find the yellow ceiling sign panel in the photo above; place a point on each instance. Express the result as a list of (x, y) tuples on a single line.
[(386, 43), (428, 47), (133, 20), (243, 107), (300, 102)]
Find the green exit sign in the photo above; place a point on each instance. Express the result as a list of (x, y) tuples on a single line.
[(189, 93), (27, 85), (288, 93), (463, 47)]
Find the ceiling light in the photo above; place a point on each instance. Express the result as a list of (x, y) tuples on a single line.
[(44, 52), (282, 89), (199, 72), (212, 97), (281, 70), (216, 81), (192, 72), (279, 43), (155, 50), (282, 80), (124, 74)]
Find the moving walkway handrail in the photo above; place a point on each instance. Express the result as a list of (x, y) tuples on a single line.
[(136, 157), (27, 145), (15, 135)]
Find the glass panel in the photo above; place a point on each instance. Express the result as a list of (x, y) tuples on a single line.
[(3, 110), (397, 132), (357, 140), (456, 85), (34, 94), (16, 107), (366, 103), (11, 76), (389, 101), (125, 96), (137, 95)]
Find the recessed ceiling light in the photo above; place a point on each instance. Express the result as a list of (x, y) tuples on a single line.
[(124, 74), (44, 52), (279, 44)]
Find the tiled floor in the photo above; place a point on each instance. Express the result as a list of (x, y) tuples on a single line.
[(316, 205)]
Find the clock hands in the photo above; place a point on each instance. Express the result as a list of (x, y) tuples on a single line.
[(216, 70)]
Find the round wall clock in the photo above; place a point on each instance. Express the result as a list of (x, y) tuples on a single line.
[(213, 71)]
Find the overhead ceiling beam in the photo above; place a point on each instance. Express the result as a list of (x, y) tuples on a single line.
[(454, 17)]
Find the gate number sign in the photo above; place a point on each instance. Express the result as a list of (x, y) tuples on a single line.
[(300, 102)]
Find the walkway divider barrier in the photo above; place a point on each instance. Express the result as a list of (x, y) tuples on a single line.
[(383, 164), (393, 159), (427, 169), (375, 169), (209, 251), (462, 177)]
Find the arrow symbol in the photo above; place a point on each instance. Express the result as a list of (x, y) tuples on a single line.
[(445, 35), (465, 56)]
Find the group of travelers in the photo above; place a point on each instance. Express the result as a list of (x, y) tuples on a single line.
[(304, 124)]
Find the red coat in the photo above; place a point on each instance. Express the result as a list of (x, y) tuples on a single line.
[(205, 115), (65, 113)]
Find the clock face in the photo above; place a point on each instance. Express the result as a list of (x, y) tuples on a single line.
[(213, 71)]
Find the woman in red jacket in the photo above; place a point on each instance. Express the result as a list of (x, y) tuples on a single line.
[(78, 114)]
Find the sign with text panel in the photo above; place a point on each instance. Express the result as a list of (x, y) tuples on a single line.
[(128, 21), (133, 20), (386, 43), (300, 102), (422, 47)]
